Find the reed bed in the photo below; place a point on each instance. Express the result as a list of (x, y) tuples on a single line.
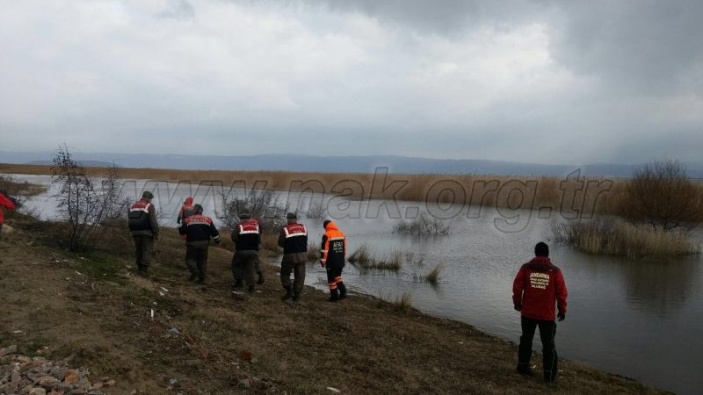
[(365, 260), (610, 236), (423, 225), (588, 195)]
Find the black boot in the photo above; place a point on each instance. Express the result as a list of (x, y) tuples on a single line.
[(143, 271), (334, 295), (238, 284), (342, 290), (261, 278), (288, 295), (193, 275), (251, 289)]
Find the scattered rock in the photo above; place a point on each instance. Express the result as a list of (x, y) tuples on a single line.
[(20, 374)]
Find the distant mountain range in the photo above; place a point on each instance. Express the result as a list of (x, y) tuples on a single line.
[(336, 164)]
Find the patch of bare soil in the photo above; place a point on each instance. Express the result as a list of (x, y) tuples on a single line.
[(94, 310)]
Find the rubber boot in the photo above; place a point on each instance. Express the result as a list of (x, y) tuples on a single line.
[(261, 278), (289, 294), (238, 284), (342, 290), (143, 271), (334, 295), (251, 289)]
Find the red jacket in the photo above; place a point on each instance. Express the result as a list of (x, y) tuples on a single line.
[(6, 203), (538, 286)]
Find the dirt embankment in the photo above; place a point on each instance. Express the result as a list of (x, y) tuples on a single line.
[(93, 312)]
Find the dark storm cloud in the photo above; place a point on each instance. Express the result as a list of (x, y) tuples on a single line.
[(648, 46)]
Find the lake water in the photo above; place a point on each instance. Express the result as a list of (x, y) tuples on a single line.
[(641, 319)]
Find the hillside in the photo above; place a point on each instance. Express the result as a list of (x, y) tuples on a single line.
[(92, 310)]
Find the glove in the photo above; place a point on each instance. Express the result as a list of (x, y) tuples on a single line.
[(518, 307), (561, 316), (322, 263)]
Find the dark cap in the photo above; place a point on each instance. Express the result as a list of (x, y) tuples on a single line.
[(542, 249), (291, 216), (324, 224), (244, 215), (197, 208), (147, 195)]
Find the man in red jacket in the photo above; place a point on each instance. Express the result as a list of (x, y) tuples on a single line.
[(538, 286)]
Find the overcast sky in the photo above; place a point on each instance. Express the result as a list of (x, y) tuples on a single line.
[(558, 82)]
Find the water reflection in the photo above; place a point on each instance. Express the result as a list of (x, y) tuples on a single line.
[(660, 287)]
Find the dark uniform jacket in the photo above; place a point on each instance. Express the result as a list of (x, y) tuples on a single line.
[(293, 238), (334, 246), (141, 219), (198, 230), (247, 236)]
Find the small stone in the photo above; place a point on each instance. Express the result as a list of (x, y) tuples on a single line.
[(72, 376), (8, 350), (48, 381), (246, 383), (109, 383), (37, 391)]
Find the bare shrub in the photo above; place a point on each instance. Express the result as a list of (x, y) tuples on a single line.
[(262, 204), (662, 196), (84, 207), (315, 211), (423, 225)]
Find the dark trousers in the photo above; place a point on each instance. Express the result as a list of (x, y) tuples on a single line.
[(547, 331), (144, 245), (244, 265), (293, 263), (196, 259), (335, 282)]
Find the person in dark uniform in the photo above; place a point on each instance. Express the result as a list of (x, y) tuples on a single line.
[(144, 229), (294, 241), (198, 230), (247, 239)]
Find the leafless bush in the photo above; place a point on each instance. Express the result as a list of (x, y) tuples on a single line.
[(86, 208), (662, 196), (315, 211), (423, 225), (261, 204)]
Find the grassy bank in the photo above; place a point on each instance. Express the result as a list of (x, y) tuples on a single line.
[(93, 310)]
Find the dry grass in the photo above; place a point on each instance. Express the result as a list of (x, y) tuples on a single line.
[(433, 276), (365, 260), (610, 236)]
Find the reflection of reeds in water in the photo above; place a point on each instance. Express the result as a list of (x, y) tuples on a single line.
[(610, 236)]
